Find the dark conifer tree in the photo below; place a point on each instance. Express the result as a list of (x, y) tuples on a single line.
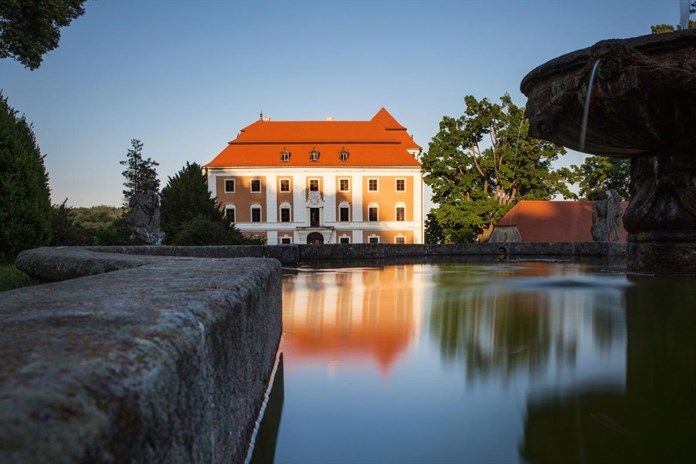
[(138, 171), (25, 205)]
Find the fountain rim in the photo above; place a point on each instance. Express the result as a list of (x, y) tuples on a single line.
[(648, 44)]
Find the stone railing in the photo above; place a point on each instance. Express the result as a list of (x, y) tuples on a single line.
[(147, 359)]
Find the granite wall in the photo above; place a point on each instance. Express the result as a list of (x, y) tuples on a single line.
[(151, 359)]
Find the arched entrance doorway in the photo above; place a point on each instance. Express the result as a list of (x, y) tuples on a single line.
[(315, 238)]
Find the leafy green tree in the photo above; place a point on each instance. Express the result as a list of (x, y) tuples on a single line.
[(433, 231), (603, 173), (31, 28), (660, 28), (139, 171), (25, 205), (65, 231), (475, 183), (97, 225)]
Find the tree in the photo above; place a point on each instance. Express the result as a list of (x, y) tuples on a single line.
[(30, 28), (185, 197), (138, 172), (660, 28), (97, 225), (65, 231), (190, 215), (474, 184), (203, 231), (603, 173), (25, 205)]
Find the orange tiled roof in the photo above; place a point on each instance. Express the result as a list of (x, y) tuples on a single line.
[(554, 221), (381, 141)]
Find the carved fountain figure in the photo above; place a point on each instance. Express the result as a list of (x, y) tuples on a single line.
[(642, 106)]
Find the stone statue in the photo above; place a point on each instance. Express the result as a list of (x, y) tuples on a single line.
[(144, 216), (606, 216)]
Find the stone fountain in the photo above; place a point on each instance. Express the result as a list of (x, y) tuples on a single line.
[(643, 107)]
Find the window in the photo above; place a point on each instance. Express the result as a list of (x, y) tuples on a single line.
[(400, 185), (255, 214), (373, 239), (343, 185), (285, 213), (284, 155), (373, 214), (256, 185), (344, 213), (400, 213), (314, 155), (284, 185), (400, 240), (285, 240), (313, 185), (230, 213), (343, 154), (229, 185), (344, 239), (372, 185)]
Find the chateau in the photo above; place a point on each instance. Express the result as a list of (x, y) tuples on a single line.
[(322, 181)]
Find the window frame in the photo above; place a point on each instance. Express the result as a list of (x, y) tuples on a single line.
[(280, 185), (344, 240), (396, 213), (284, 155), (251, 186), (310, 182), (285, 207), (340, 187), (234, 185), (370, 208), (396, 184), (344, 206), (253, 208), (232, 208), (369, 184), (400, 240), (373, 239)]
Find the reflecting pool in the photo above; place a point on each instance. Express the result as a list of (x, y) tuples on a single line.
[(531, 362)]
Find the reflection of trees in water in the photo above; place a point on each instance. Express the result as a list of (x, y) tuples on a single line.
[(652, 419), (495, 334), (496, 330), (608, 321)]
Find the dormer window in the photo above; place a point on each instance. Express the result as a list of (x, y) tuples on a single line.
[(343, 154), (284, 155), (314, 155)]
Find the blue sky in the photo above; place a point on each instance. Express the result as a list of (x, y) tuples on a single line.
[(185, 76)]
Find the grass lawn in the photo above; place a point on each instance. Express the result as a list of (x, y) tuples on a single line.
[(11, 277)]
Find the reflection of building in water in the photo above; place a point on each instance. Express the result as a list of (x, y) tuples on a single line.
[(351, 314), (520, 318)]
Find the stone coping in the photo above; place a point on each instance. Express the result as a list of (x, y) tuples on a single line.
[(294, 254), (145, 359)]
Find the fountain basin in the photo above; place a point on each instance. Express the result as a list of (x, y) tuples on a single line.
[(642, 106), (642, 102)]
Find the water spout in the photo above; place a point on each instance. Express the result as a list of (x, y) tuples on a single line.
[(684, 14), (586, 110)]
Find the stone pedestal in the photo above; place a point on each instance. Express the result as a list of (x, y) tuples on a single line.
[(661, 217)]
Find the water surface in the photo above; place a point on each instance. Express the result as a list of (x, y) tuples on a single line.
[(491, 363)]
